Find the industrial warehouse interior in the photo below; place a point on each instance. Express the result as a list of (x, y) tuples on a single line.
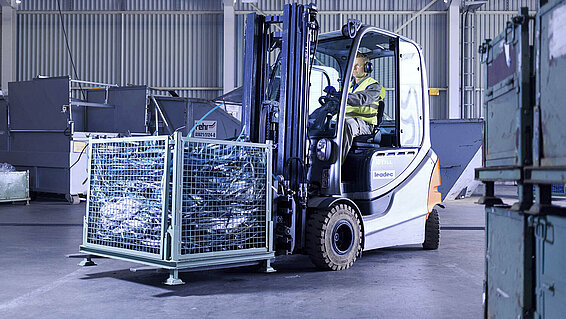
[(288, 159)]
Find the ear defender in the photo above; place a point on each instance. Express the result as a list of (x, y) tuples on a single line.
[(368, 67)]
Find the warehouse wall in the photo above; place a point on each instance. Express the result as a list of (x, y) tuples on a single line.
[(429, 30), (179, 43), (166, 44)]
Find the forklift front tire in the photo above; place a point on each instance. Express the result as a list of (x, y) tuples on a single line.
[(432, 231), (333, 238)]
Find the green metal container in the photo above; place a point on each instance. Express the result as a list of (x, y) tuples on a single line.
[(14, 186), (509, 286), (549, 154), (508, 95), (551, 74), (550, 234)]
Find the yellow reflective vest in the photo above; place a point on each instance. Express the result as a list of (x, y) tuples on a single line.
[(367, 113)]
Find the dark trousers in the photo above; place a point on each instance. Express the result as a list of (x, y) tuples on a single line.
[(354, 127)]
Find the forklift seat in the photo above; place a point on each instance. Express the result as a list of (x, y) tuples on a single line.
[(371, 140)]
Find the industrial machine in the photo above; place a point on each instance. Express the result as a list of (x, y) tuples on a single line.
[(385, 192), (46, 128), (46, 125), (174, 113)]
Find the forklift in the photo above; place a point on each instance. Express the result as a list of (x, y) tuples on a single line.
[(295, 90)]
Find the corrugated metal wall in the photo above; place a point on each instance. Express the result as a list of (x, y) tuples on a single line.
[(508, 5), (429, 30), (178, 43), (114, 5), (346, 5), (165, 44)]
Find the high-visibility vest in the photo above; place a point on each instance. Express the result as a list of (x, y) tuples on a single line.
[(367, 113)]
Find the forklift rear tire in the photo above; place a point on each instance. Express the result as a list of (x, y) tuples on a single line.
[(333, 238), (432, 231)]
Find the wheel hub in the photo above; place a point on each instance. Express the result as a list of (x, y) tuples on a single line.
[(342, 237)]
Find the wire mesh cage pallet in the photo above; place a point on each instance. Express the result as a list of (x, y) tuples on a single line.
[(176, 202)]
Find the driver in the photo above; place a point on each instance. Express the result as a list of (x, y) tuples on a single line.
[(364, 95)]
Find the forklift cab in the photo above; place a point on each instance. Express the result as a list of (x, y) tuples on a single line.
[(376, 161)]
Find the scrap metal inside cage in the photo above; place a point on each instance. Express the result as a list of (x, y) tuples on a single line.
[(177, 202), (224, 201)]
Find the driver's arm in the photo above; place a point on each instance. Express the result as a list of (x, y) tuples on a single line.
[(365, 97)]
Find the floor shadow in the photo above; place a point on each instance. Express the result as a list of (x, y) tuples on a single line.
[(294, 273)]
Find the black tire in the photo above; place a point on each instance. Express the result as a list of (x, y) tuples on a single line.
[(334, 237), (432, 231)]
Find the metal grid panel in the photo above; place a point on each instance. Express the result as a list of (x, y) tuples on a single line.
[(126, 195), (224, 189)]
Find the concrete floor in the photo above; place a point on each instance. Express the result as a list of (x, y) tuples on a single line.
[(37, 280)]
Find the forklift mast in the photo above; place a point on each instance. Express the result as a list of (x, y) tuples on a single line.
[(283, 119)]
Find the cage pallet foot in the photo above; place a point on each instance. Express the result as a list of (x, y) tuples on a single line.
[(73, 199), (520, 207), (541, 209), (266, 267), (174, 279), (87, 261), (489, 201)]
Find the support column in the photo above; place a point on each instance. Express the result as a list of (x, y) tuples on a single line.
[(229, 46), (8, 66), (453, 69)]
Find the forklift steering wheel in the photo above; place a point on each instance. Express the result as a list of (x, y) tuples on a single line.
[(331, 100), (321, 118)]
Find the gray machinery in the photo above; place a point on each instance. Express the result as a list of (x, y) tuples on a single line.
[(385, 193), (172, 113), (46, 129)]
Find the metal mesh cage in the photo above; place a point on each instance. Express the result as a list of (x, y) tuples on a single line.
[(558, 189), (223, 197), (127, 187)]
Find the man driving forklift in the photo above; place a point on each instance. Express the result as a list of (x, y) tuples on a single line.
[(364, 94)]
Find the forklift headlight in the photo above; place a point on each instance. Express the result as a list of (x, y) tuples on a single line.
[(323, 149)]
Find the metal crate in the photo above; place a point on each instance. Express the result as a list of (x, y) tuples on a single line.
[(549, 132), (224, 197), (126, 200), (508, 96), (550, 234), (510, 281), (14, 186), (508, 109), (550, 113), (177, 202)]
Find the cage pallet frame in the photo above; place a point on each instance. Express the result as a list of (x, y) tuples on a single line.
[(150, 201)]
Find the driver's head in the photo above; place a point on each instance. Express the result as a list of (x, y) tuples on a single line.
[(358, 70)]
